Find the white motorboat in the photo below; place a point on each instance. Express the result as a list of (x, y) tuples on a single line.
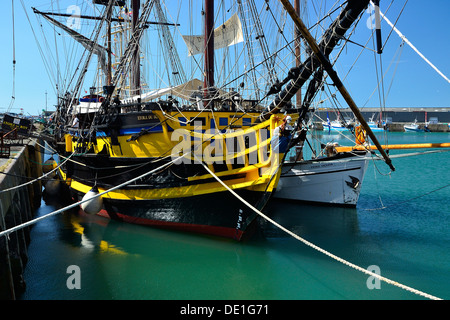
[(413, 127), (334, 180), (334, 125), (374, 126)]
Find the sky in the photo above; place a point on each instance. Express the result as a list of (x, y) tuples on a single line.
[(413, 84)]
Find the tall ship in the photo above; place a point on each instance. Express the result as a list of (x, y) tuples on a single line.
[(202, 150)]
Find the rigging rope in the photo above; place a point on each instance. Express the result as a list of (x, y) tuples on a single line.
[(414, 48), (407, 200), (410, 199), (37, 179), (31, 222), (13, 98)]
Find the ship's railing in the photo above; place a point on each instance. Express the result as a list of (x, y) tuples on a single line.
[(240, 150)]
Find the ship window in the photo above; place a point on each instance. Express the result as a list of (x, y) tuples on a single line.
[(198, 120), (182, 121), (246, 121), (223, 121)]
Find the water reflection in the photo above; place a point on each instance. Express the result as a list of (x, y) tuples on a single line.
[(306, 218)]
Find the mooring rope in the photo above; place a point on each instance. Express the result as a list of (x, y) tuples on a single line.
[(36, 179), (389, 281), (28, 223), (343, 261), (413, 198), (407, 200)]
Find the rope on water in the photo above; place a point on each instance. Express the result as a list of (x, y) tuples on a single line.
[(394, 283)]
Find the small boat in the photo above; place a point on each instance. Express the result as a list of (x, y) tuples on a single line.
[(374, 126), (334, 125), (413, 127), (338, 124), (333, 180)]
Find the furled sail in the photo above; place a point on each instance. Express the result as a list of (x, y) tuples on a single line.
[(183, 91), (88, 44), (226, 35)]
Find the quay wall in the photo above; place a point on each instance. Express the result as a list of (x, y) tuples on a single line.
[(438, 127), (398, 117), (398, 126), (16, 207)]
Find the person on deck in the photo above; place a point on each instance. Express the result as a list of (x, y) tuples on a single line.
[(76, 123), (281, 135)]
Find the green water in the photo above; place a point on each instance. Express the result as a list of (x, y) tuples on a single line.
[(408, 241)]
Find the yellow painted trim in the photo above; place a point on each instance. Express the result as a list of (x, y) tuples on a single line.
[(159, 144), (257, 176), (170, 193)]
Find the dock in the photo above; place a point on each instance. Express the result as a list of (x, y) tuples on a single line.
[(398, 126), (17, 205), (438, 118)]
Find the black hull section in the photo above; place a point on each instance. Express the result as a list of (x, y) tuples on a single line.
[(108, 172), (219, 214)]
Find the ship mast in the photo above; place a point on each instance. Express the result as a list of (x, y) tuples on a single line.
[(135, 62), (321, 56), (298, 61), (209, 48), (108, 40)]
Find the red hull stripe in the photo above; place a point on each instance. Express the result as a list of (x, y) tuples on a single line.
[(231, 233)]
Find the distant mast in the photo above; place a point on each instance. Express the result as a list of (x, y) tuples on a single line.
[(209, 47), (135, 62), (108, 40), (298, 61)]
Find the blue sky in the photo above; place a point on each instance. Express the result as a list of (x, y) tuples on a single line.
[(415, 84)]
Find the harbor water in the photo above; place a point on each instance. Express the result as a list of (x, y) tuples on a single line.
[(400, 230)]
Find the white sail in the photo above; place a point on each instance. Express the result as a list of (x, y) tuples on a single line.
[(226, 35)]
